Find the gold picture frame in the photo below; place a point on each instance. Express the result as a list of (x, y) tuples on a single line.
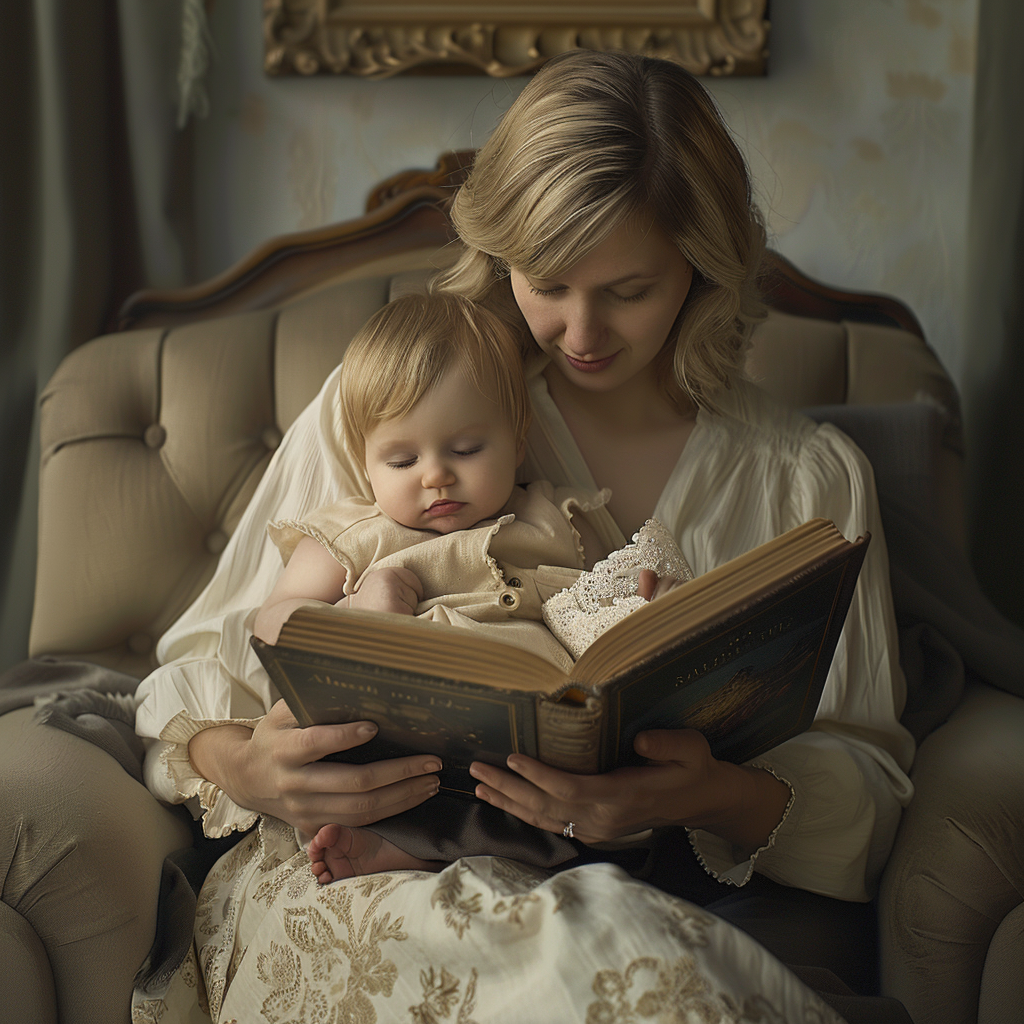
[(381, 38)]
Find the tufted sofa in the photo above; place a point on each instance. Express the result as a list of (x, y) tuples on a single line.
[(155, 436)]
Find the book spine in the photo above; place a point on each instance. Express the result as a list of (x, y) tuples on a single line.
[(569, 735)]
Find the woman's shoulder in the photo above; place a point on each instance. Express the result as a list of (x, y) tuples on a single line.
[(765, 427), (768, 460)]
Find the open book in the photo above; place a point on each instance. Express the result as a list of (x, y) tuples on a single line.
[(740, 654)]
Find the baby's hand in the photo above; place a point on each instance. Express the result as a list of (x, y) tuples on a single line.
[(387, 590), (651, 586)]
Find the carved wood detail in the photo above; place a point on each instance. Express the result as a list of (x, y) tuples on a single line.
[(381, 38)]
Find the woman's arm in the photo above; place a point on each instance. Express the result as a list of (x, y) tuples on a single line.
[(685, 786), (846, 774)]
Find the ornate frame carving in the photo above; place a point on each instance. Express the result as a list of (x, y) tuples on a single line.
[(381, 38)]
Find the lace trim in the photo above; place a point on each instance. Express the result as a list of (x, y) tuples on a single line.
[(221, 815), (608, 593), (729, 875)]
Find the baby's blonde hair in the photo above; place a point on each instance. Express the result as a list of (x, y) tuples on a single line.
[(594, 141), (407, 347)]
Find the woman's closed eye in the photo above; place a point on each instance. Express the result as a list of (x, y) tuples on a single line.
[(547, 292), (638, 297)]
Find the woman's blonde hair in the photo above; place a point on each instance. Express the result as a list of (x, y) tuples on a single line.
[(408, 346), (596, 140)]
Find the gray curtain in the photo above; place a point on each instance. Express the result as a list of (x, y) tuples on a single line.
[(78, 163), (994, 341)]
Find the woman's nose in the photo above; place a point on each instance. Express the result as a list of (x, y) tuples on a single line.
[(584, 329), (437, 473)]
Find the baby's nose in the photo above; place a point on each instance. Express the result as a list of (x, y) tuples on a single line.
[(437, 473)]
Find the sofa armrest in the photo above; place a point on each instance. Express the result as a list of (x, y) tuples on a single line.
[(26, 984), (957, 867)]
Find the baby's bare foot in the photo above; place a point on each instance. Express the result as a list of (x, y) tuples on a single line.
[(337, 851)]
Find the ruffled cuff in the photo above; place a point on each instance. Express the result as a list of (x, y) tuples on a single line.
[(717, 856), (220, 814)]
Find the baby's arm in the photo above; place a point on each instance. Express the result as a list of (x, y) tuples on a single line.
[(314, 574)]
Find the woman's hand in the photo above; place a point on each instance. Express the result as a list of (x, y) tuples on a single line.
[(387, 590), (684, 785), (276, 769)]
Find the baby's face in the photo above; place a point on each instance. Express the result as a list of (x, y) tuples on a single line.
[(448, 464)]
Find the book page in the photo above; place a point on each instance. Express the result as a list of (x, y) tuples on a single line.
[(418, 647)]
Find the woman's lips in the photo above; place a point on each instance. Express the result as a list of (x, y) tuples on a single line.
[(444, 508), (592, 365)]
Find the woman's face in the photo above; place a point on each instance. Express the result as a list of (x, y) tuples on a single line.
[(605, 318)]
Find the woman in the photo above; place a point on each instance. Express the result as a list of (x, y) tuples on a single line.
[(609, 218)]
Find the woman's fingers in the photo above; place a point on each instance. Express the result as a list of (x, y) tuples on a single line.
[(314, 742), (357, 807), (295, 745), (342, 777), (300, 787), (540, 795), (682, 746), (601, 807)]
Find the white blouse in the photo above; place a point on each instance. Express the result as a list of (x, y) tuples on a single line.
[(745, 476)]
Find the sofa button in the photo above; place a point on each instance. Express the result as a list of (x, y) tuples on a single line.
[(515, 581), (154, 435), (509, 600), (216, 542), (271, 438), (140, 643)]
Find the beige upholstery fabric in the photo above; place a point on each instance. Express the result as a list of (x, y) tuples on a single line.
[(153, 442), (811, 362), (957, 870), (80, 874)]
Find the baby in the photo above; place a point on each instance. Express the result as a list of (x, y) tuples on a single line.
[(435, 405)]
